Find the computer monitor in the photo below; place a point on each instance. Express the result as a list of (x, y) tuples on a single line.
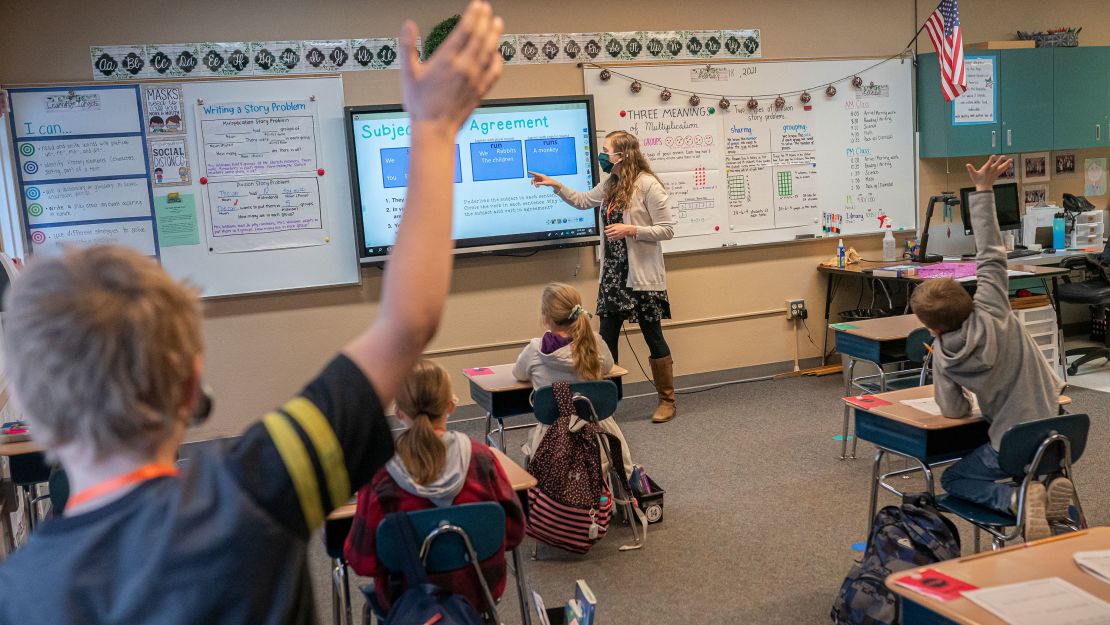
[(1006, 206)]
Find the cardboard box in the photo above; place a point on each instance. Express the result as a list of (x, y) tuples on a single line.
[(1003, 45)]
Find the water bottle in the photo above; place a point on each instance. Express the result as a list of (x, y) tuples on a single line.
[(889, 245), (840, 254), (1058, 232)]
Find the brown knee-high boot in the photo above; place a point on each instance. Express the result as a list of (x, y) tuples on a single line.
[(662, 369)]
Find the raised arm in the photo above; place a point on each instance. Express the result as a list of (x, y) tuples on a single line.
[(992, 289), (438, 95), (658, 206)]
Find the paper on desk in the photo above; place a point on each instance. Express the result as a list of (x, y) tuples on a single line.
[(1049, 601), (929, 405), (1096, 563), (1012, 273)]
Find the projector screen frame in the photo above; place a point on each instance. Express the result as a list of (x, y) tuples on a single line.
[(503, 248)]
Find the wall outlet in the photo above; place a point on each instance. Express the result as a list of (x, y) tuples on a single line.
[(796, 309)]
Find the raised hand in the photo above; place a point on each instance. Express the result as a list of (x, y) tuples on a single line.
[(985, 176), (446, 88)]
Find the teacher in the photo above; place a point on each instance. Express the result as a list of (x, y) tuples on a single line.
[(633, 284)]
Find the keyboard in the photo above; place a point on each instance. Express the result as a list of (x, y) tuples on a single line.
[(1020, 254)]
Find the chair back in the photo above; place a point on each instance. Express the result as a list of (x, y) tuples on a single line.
[(917, 345), (483, 523), (601, 394), (1037, 447)]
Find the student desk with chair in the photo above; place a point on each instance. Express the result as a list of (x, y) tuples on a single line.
[(879, 342), (904, 430), (1051, 557), (502, 395), (338, 525)]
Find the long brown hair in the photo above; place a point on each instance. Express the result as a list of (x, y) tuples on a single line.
[(425, 395), (561, 306), (619, 188)]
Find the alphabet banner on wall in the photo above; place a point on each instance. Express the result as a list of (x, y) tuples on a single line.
[(277, 58)]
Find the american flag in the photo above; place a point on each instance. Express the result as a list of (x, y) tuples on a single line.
[(944, 29)]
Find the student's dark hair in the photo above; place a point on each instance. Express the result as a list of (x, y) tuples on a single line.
[(942, 304), (561, 305), (425, 395)]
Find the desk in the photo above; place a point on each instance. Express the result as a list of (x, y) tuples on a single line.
[(1048, 276), (879, 342), (339, 524), (930, 440), (502, 395), (1051, 557)]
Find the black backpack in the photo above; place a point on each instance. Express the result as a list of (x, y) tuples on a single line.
[(902, 537)]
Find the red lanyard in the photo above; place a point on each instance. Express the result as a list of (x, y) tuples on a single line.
[(439, 430), (142, 474)]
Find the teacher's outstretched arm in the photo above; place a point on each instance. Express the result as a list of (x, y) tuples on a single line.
[(582, 201), (439, 95)]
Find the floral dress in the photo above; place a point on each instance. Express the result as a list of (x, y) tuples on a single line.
[(614, 297)]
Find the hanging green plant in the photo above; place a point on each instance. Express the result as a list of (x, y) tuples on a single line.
[(438, 34)]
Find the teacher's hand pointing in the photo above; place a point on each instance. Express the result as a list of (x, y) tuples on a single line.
[(540, 180)]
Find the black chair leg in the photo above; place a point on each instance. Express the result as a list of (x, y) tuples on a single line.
[(1087, 354)]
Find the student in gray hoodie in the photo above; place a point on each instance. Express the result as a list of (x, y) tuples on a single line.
[(982, 348), (570, 351)]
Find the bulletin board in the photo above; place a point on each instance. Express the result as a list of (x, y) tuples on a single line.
[(238, 186), (843, 162)]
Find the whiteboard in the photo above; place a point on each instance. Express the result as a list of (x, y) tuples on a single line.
[(745, 177), (120, 164)]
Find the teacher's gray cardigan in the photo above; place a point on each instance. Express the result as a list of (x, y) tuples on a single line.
[(650, 212)]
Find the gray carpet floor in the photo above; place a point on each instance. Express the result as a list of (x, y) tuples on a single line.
[(759, 517)]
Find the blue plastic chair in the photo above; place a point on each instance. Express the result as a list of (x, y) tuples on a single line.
[(1028, 451), (594, 401), (454, 537)]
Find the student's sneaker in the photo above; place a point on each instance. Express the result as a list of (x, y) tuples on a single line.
[(1036, 524), (1059, 498)]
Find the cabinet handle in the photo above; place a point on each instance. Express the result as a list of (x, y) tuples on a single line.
[(1098, 132), (1009, 137), (994, 138)]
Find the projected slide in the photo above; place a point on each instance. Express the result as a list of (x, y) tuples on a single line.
[(494, 201)]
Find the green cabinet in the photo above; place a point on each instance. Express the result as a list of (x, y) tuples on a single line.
[(1025, 105), (1081, 94), (1046, 99), (939, 135)]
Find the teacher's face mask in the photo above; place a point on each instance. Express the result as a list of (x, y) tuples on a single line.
[(606, 164)]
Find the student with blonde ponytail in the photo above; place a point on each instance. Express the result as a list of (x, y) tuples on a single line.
[(433, 467), (569, 351), (636, 213)]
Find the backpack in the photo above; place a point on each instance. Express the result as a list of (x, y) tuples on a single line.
[(902, 537), (570, 506), (424, 602)]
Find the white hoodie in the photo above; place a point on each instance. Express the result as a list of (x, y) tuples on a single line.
[(446, 487)]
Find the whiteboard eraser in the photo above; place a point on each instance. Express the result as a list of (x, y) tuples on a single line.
[(804, 236)]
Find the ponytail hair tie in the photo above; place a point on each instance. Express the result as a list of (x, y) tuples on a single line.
[(576, 311)]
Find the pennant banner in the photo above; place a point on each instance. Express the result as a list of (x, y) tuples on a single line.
[(279, 58)]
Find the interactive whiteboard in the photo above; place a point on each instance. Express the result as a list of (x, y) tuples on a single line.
[(741, 176), (239, 186)]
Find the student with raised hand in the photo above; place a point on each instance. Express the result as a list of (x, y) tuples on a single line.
[(982, 348), (104, 354)]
